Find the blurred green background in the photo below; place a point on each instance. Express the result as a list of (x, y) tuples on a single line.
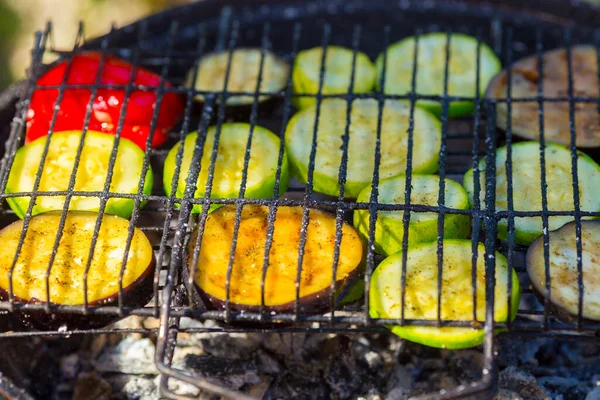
[(19, 19)]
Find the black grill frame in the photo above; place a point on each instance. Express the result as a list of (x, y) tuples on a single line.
[(174, 226)]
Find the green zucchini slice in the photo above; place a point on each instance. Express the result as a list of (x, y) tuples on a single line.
[(361, 144), (91, 173), (564, 287), (431, 65), (527, 194), (262, 166), (243, 77), (423, 226), (421, 299), (338, 73)]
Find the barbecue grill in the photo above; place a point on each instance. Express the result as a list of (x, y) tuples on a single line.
[(171, 43)]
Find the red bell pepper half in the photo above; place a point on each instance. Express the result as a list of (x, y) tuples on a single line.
[(106, 107)]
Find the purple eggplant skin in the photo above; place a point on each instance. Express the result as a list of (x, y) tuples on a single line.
[(315, 303), (136, 295)]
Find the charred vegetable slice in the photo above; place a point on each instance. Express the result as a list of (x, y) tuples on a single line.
[(564, 287), (280, 282), (67, 274), (527, 194), (243, 76), (361, 144), (262, 166), (421, 294), (338, 73), (91, 173), (431, 66), (524, 84), (423, 226)]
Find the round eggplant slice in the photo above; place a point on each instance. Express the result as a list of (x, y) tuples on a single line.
[(66, 277), (421, 293), (244, 71), (338, 73), (92, 170), (527, 193), (280, 282), (423, 226), (262, 165), (557, 123), (431, 68), (564, 287), (362, 140)]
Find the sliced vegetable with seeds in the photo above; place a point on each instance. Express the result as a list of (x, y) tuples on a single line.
[(280, 281), (364, 123), (557, 120), (423, 226), (431, 68), (421, 293), (244, 72), (337, 73), (227, 178), (68, 271), (91, 175), (527, 192), (564, 284)]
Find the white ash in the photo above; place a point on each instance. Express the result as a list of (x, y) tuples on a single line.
[(130, 356)]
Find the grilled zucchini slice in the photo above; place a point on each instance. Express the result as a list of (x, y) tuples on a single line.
[(338, 73), (361, 143), (243, 75), (431, 65), (564, 287), (280, 281), (527, 194), (421, 301), (423, 226), (262, 165), (524, 84), (91, 173)]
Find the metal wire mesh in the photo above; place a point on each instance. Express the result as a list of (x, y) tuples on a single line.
[(168, 220)]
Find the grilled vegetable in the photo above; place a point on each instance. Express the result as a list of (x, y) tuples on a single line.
[(361, 144), (564, 287), (66, 277), (423, 226), (526, 181), (524, 84), (431, 67), (91, 173), (421, 294), (280, 281), (244, 69), (262, 165), (107, 104), (338, 72)]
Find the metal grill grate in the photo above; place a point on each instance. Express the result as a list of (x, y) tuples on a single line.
[(464, 142)]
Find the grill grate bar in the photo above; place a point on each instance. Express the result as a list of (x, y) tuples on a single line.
[(408, 180), (575, 175), (38, 178), (442, 186), (311, 167)]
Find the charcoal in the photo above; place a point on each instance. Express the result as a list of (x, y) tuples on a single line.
[(400, 378), (523, 383), (90, 386), (130, 356), (267, 364), (343, 376), (396, 394), (288, 386), (594, 394), (504, 394), (286, 345), (138, 388), (518, 352), (70, 366), (233, 372)]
